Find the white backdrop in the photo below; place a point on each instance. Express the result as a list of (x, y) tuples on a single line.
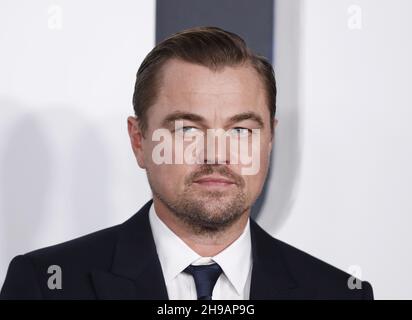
[(340, 185)]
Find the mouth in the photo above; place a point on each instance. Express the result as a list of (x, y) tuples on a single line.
[(214, 181)]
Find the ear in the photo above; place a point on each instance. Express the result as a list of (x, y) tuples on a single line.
[(136, 140)]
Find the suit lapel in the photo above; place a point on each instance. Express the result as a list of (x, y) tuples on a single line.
[(271, 278), (136, 272)]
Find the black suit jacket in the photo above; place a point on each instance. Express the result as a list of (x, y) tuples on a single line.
[(121, 263)]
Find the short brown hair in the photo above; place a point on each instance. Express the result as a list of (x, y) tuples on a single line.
[(207, 46)]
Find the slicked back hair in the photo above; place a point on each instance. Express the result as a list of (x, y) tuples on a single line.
[(211, 47)]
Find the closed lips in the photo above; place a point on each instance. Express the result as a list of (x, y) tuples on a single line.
[(214, 180)]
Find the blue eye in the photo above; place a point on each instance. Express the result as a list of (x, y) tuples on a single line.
[(188, 129), (242, 132)]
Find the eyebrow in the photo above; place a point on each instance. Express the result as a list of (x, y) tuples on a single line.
[(181, 115), (250, 115)]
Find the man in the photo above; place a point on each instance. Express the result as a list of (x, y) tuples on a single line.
[(195, 239)]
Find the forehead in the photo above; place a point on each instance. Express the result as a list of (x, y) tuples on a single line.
[(227, 91)]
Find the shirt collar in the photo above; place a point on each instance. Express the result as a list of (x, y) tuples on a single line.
[(175, 255)]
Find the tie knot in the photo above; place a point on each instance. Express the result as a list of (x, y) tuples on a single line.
[(205, 277)]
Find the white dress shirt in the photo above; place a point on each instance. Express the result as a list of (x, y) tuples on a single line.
[(175, 255)]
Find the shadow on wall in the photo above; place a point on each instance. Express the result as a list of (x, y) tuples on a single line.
[(89, 187), (274, 205), (25, 178), (54, 178)]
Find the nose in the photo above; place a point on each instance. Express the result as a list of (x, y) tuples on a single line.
[(217, 145)]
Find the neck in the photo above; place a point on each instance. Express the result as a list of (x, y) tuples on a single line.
[(205, 245)]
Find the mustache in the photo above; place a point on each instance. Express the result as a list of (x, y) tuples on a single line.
[(209, 169)]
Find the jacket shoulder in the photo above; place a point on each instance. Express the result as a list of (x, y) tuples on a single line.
[(28, 275), (320, 278), (88, 247)]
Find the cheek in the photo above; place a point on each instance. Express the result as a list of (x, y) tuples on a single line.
[(257, 180), (167, 177), (264, 162), (266, 147)]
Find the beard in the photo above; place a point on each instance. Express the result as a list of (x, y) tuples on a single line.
[(207, 212)]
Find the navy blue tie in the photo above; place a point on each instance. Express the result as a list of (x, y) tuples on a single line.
[(205, 279)]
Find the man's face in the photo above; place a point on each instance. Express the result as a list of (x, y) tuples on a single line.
[(207, 195)]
